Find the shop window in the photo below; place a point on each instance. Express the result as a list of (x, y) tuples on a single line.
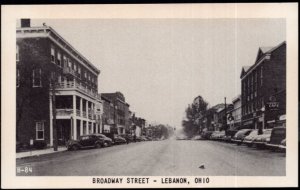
[(37, 77), (39, 130)]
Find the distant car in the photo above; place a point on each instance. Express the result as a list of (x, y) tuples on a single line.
[(206, 134), (181, 137), (217, 135), (138, 139), (197, 137), (278, 134), (261, 140), (249, 139), (85, 141), (282, 146), (107, 141), (240, 135), (229, 135), (119, 140), (143, 138)]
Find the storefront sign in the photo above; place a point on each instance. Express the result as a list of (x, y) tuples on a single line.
[(273, 104)]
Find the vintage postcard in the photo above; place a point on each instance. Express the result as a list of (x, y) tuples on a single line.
[(149, 96)]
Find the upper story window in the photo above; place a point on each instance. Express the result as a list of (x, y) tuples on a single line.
[(65, 61), (52, 54), (75, 67), (17, 53), (69, 63), (37, 78), (84, 74), (89, 76), (58, 59), (39, 126), (18, 77)]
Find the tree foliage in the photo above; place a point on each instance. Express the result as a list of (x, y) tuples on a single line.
[(195, 115)]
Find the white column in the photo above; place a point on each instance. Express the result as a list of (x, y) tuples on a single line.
[(87, 127), (74, 118), (87, 108), (80, 107), (92, 125), (51, 124), (81, 127)]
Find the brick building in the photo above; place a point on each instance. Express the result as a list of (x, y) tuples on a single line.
[(263, 88), (118, 112), (44, 57)]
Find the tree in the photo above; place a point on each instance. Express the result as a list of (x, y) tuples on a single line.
[(195, 115)]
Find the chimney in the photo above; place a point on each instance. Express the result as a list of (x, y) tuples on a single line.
[(25, 22)]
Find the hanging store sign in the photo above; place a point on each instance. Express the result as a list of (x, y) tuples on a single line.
[(272, 104)]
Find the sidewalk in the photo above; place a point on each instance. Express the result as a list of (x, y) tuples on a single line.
[(39, 152)]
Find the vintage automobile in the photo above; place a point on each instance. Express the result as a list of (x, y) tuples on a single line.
[(206, 134), (106, 140), (85, 141), (229, 135), (248, 140), (197, 137), (119, 140), (217, 135), (240, 135), (282, 146), (261, 140), (278, 134)]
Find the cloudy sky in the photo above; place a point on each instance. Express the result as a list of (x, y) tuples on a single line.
[(160, 65)]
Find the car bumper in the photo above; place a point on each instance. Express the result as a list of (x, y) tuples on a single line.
[(272, 145), (282, 147), (247, 142), (236, 140)]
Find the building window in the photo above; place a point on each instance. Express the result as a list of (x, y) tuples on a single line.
[(52, 55), (84, 74), (18, 78), (65, 61), (17, 53), (36, 76), (75, 67), (58, 59), (69, 63), (39, 130)]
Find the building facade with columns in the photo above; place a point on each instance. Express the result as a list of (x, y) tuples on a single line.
[(46, 65)]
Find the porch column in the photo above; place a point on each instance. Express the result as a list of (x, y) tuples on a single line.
[(92, 125), (51, 120), (87, 127), (74, 118), (87, 108), (81, 127), (80, 107), (97, 131)]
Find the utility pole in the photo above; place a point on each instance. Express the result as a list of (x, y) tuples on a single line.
[(225, 119)]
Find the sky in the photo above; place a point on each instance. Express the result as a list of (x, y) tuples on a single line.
[(161, 65)]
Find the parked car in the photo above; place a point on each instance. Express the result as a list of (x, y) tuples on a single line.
[(206, 134), (278, 134), (119, 140), (85, 141), (248, 140), (217, 135), (261, 140), (106, 140), (282, 146), (143, 138), (240, 135), (197, 137), (138, 139), (229, 135)]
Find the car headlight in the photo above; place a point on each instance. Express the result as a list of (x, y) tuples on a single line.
[(267, 139)]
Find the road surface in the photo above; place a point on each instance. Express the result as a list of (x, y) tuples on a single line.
[(160, 158)]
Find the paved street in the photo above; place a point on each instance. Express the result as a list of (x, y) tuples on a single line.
[(159, 158)]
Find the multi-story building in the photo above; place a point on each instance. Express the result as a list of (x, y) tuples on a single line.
[(119, 111), (50, 70), (236, 113), (261, 82)]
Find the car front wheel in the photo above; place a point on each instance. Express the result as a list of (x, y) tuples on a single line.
[(75, 147)]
